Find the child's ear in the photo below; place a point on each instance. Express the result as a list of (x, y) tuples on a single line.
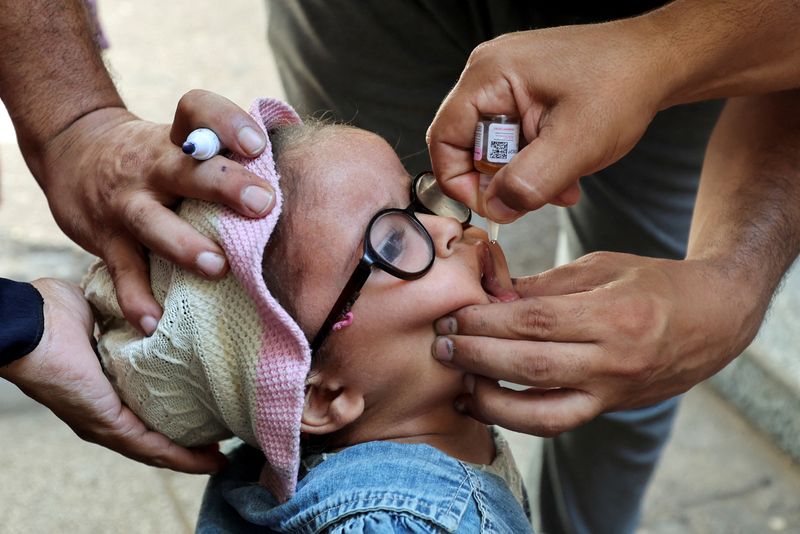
[(329, 406)]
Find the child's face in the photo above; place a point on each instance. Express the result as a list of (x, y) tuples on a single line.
[(386, 351)]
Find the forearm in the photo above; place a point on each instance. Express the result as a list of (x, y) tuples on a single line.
[(51, 72), (747, 215), (724, 48)]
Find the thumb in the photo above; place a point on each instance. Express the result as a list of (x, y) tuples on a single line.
[(546, 171)]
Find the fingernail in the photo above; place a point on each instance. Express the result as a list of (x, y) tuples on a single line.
[(469, 383), (210, 263), (445, 325), (509, 296), (250, 140), (149, 324), (499, 211), (443, 349), (257, 199)]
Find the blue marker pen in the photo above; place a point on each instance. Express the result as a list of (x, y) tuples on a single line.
[(202, 144)]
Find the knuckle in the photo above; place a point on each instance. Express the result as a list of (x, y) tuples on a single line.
[(86, 435), (548, 426), (532, 366), (136, 215), (521, 193), (158, 460), (641, 317), (479, 52), (533, 321), (184, 247), (119, 270), (189, 99), (470, 355), (595, 259), (637, 369), (231, 179), (166, 173), (470, 320)]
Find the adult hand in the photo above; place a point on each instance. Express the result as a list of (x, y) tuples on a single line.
[(607, 332), (64, 374), (111, 179), (585, 95)]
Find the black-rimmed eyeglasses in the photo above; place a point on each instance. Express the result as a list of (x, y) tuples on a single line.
[(398, 243)]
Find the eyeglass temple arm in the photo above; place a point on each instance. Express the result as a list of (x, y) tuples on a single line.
[(348, 294)]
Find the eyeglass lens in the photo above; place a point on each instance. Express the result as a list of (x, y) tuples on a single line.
[(398, 241), (431, 196)]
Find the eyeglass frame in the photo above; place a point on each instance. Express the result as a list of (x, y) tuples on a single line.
[(422, 208)]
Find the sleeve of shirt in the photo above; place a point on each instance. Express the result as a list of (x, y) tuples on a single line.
[(21, 319)]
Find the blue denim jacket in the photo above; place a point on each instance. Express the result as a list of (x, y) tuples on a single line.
[(377, 487)]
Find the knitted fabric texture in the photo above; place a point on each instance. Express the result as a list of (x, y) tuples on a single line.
[(226, 358)]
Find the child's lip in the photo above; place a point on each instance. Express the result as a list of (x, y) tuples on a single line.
[(492, 262)]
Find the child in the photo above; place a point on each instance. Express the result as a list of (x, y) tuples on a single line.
[(385, 448)]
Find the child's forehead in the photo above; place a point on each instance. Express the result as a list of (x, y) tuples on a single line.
[(359, 164)]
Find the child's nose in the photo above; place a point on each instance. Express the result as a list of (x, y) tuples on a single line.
[(445, 232)]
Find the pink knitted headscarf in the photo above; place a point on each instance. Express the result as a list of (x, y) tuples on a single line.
[(284, 358), (226, 358)]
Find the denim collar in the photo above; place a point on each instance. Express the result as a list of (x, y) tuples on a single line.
[(426, 483)]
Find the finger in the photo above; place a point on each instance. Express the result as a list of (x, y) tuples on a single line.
[(544, 413), (499, 283), (450, 139), (549, 164), (582, 275), (129, 272), (568, 197), (131, 438), (171, 237), (529, 363), (217, 180), (558, 318), (236, 129), (464, 188)]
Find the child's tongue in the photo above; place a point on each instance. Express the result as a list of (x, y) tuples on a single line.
[(496, 279)]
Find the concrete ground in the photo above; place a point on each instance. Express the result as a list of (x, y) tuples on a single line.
[(718, 475)]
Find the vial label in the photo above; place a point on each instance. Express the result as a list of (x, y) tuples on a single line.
[(477, 152), (502, 142)]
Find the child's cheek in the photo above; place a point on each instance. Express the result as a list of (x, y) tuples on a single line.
[(449, 291)]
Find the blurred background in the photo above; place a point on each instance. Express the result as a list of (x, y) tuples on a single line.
[(728, 469)]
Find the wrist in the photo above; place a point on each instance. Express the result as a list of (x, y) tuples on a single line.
[(93, 122), (741, 291)]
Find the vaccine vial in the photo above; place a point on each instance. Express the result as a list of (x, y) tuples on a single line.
[(496, 142)]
